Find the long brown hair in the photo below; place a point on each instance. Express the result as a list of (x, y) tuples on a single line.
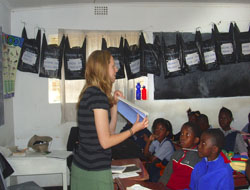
[(97, 74)]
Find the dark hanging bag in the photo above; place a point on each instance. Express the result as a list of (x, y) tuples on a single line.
[(173, 60), (118, 55), (207, 52), (74, 61), (51, 59), (150, 56), (225, 45), (132, 61), (242, 40), (191, 59), (30, 53)]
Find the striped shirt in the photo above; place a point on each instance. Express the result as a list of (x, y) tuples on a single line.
[(90, 155)]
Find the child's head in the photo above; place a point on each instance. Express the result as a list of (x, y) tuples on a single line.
[(203, 122), (211, 144), (193, 115), (225, 118), (162, 128), (190, 135)]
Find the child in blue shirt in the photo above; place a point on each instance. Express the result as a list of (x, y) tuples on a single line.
[(211, 172), (159, 147)]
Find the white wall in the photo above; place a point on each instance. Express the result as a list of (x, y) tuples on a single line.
[(33, 114), (6, 130)]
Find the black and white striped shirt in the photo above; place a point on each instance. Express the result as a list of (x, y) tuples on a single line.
[(90, 155)]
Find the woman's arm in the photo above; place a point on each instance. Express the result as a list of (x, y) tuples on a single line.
[(113, 112), (108, 139), (113, 122)]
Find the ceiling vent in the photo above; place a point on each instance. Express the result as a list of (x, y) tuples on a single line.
[(101, 10)]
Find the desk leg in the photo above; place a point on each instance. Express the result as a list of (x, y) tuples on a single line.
[(8, 181), (65, 185)]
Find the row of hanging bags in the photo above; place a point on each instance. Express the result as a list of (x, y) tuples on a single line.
[(74, 61), (118, 55), (30, 53), (51, 59), (242, 40)]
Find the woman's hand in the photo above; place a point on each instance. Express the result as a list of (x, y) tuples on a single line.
[(116, 94), (139, 125)]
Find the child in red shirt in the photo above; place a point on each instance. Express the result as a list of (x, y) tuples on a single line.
[(177, 174)]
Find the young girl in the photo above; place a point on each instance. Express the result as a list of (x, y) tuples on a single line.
[(178, 171), (159, 147), (233, 140), (97, 117)]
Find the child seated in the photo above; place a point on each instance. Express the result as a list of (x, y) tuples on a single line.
[(178, 171), (211, 172), (234, 142), (159, 147), (203, 122), (192, 117)]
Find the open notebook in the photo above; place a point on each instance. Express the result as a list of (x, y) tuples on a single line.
[(129, 110)]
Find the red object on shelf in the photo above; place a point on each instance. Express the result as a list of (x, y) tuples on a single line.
[(144, 93)]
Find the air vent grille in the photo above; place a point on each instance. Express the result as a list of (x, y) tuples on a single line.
[(101, 10)]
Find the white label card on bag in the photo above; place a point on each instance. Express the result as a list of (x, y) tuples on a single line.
[(51, 64), (210, 57), (227, 48), (245, 48), (173, 65), (192, 59), (135, 66), (75, 64), (29, 58)]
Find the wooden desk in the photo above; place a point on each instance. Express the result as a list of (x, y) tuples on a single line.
[(240, 180), (122, 184), (143, 175), (36, 164)]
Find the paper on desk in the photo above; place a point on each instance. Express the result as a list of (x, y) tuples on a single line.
[(125, 175), (61, 154), (117, 169), (137, 187)]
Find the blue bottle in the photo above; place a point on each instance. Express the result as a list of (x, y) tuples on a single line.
[(138, 91)]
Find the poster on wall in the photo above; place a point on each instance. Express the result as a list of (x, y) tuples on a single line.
[(11, 48), (1, 83)]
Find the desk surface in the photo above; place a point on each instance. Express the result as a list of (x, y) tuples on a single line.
[(143, 175), (34, 163)]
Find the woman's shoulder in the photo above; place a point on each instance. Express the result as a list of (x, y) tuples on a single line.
[(93, 91)]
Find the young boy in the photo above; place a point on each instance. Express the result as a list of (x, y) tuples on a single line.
[(233, 140), (178, 171), (159, 147), (211, 172)]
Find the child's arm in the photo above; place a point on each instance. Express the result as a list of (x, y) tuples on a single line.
[(192, 180), (149, 140), (226, 182), (167, 173), (240, 145)]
